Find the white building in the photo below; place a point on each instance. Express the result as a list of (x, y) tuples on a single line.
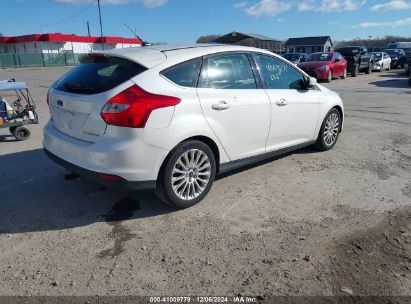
[(60, 43)]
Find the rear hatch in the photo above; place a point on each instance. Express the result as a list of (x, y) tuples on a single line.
[(77, 98)]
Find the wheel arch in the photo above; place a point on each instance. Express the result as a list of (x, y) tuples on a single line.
[(340, 110), (205, 139)]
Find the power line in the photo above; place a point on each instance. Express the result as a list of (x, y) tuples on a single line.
[(71, 17)]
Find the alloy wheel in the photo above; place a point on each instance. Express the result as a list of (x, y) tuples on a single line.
[(191, 174), (331, 129)]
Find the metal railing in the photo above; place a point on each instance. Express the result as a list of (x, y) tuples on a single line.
[(11, 60)]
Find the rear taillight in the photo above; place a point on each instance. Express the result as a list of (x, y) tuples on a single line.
[(132, 107)]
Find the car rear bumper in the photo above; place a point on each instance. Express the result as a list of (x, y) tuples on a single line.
[(120, 184), (121, 152)]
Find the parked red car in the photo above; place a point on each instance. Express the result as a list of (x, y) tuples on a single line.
[(325, 66)]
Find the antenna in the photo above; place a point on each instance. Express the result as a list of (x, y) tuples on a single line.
[(135, 34), (129, 28)]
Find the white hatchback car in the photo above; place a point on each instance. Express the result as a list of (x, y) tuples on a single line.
[(171, 118)]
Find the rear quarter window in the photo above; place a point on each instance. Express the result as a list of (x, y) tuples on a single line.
[(97, 74), (184, 74)]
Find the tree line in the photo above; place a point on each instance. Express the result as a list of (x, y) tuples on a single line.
[(380, 42)]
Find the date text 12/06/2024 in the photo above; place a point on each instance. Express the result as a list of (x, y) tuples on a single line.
[(235, 299)]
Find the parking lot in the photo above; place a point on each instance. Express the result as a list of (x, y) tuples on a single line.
[(306, 223)]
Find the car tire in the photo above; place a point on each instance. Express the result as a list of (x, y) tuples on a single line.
[(344, 74), (329, 131), (21, 133), (187, 174), (368, 70), (354, 71), (329, 76)]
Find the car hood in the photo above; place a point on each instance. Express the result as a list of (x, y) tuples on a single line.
[(312, 64)]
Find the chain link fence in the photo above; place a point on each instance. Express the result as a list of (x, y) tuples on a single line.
[(38, 60)]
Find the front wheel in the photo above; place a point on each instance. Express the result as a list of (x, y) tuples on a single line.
[(344, 74), (368, 70), (329, 76), (354, 71), (330, 130), (187, 175), (21, 133)]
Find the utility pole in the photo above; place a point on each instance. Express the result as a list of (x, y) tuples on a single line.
[(101, 24)]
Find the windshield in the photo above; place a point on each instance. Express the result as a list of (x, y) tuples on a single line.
[(320, 57), (292, 57), (393, 52), (377, 55), (348, 51)]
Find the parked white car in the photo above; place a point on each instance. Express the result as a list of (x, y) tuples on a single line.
[(171, 118), (381, 61)]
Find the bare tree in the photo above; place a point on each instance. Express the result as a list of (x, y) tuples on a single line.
[(380, 42)]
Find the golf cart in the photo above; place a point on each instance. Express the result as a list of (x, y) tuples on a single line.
[(21, 112)]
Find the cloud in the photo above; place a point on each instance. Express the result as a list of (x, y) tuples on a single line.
[(75, 2), (153, 3), (391, 5), (306, 6), (268, 8), (241, 4), (330, 5), (146, 3), (397, 23)]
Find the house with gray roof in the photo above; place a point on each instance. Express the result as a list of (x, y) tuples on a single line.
[(309, 44)]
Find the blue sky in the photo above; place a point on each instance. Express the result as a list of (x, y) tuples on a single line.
[(182, 21)]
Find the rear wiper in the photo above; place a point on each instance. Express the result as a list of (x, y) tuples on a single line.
[(78, 88)]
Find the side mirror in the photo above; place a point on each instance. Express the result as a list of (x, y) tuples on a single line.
[(310, 82)]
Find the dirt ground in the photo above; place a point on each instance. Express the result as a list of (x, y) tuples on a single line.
[(306, 223)]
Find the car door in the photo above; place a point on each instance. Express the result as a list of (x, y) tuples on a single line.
[(234, 104), (294, 110), (339, 65)]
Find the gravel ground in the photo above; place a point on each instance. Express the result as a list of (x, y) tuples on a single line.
[(306, 223)]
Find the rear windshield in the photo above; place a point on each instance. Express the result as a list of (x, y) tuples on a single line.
[(348, 51), (320, 57), (97, 74), (292, 57)]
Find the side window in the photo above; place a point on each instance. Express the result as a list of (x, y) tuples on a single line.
[(278, 74), (228, 71), (184, 74)]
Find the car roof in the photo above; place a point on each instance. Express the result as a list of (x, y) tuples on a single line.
[(150, 56)]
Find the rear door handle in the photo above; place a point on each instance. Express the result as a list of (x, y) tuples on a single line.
[(282, 102), (222, 105)]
